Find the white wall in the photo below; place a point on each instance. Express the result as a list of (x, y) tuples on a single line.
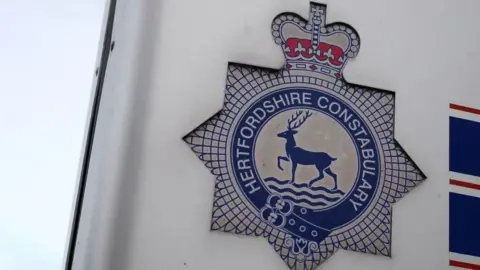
[(150, 197)]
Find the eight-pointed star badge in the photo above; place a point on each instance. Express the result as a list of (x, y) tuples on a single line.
[(301, 157)]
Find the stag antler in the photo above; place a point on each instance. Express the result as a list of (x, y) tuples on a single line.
[(294, 118)]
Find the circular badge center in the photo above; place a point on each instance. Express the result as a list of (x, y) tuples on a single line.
[(305, 160), (306, 157)]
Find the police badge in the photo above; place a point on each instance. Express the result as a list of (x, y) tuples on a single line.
[(301, 157)]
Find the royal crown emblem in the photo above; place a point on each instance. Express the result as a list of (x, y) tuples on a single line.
[(301, 157), (312, 46)]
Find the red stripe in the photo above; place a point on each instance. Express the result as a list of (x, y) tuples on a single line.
[(464, 184), (464, 109), (464, 265)]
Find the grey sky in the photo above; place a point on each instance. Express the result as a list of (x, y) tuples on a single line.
[(47, 56)]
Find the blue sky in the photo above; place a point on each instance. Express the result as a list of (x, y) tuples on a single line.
[(48, 51)]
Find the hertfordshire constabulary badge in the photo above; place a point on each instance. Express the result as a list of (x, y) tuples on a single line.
[(301, 157)]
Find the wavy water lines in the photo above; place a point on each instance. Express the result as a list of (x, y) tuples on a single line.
[(310, 197)]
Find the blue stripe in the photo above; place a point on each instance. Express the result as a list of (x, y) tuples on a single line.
[(464, 224), (464, 146)]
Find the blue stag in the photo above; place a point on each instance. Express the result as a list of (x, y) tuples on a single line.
[(296, 155)]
